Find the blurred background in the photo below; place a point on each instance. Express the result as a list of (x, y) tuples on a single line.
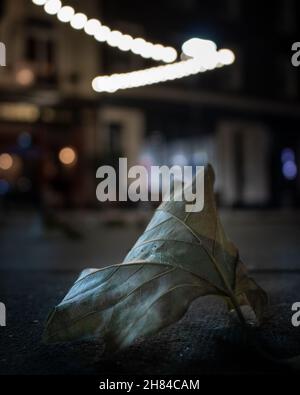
[(55, 131), (244, 118)]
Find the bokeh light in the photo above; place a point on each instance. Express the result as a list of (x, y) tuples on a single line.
[(65, 14), (289, 170), (78, 21), (6, 161), (289, 167), (198, 47), (102, 33), (52, 7), (92, 26), (67, 156), (25, 76), (226, 56)]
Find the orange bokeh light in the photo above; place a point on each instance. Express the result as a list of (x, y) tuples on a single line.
[(6, 161), (67, 156)]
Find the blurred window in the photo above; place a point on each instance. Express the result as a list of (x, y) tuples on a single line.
[(2, 8), (40, 50), (115, 130)]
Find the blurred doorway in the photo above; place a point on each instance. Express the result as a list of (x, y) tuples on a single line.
[(243, 164), (121, 133)]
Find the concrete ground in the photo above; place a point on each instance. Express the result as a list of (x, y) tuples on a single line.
[(37, 268)]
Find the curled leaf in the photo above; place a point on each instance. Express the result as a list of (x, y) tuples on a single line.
[(179, 257)]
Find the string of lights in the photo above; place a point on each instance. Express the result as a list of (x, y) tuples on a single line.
[(201, 55), (102, 33), (155, 75), (198, 55)]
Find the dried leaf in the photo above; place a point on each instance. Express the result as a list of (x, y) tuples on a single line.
[(179, 257)]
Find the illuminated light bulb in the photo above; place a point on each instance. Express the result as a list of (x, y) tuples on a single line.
[(102, 33), (148, 50), (226, 56), (210, 61), (114, 38), (101, 84), (197, 47), (6, 161), (113, 85), (67, 156), (78, 21), (138, 46), (39, 2), (155, 75), (158, 52), (95, 84), (126, 43), (92, 26), (65, 14), (52, 7), (170, 55)]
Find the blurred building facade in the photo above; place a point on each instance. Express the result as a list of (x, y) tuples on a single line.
[(244, 119)]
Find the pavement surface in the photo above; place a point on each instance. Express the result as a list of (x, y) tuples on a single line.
[(37, 268)]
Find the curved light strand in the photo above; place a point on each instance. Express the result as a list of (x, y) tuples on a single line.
[(155, 75), (200, 55), (102, 33)]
